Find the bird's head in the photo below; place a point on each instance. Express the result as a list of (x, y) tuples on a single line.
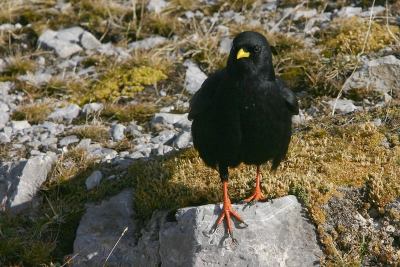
[(251, 55)]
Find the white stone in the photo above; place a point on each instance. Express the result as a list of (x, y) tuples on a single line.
[(93, 180), (194, 77)]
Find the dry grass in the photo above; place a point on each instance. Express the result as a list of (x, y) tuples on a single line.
[(34, 113), (140, 113)]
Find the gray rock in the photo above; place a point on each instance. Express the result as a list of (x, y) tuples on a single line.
[(50, 143), (71, 139), (4, 138), (233, 15), (183, 138), (20, 182), (4, 107), (288, 238), (183, 123), (194, 76), (300, 118), (103, 154), (380, 75), (147, 43), (299, 14), (167, 109), (146, 253), (123, 154), (68, 41), (43, 136), (107, 49), (35, 152), (48, 40), (7, 27), (24, 138), (343, 105), (269, 5), (70, 63), (225, 45), (4, 117), (164, 137), (282, 244), (373, 11), (36, 78), (67, 114), (349, 11), (8, 131), (99, 230), (53, 128), (5, 87), (93, 180), (134, 155), (133, 128), (161, 150), (156, 6), (188, 14), (146, 151), (92, 108), (19, 125), (89, 41), (117, 132), (84, 143), (167, 118), (70, 35), (35, 144)]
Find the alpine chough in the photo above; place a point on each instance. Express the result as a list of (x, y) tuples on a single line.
[(242, 113)]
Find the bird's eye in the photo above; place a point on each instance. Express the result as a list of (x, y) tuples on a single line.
[(257, 49)]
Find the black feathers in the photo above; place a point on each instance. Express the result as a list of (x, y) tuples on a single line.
[(243, 112)]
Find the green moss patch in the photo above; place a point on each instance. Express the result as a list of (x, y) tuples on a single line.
[(124, 83)]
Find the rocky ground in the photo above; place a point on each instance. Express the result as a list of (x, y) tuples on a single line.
[(94, 99)]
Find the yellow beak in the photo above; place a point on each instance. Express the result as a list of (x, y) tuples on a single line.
[(241, 54)]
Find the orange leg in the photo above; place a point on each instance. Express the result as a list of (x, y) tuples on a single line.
[(227, 209), (256, 196)]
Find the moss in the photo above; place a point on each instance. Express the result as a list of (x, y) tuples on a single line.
[(124, 83), (348, 36)]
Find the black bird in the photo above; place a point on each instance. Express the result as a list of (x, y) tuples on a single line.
[(242, 113)]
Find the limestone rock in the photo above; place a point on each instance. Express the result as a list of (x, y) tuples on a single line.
[(147, 43), (278, 235), (380, 75), (342, 105), (117, 132), (67, 114), (167, 118), (20, 182), (99, 230), (183, 138), (93, 180), (194, 76)]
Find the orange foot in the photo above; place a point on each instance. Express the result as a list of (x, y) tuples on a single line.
[(227, 211), (256, 196)]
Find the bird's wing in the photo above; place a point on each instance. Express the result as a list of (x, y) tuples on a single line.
[(203, 98), (288, 95)]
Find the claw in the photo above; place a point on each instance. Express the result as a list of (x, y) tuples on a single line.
[(227, 211), (256, 196), (234, 240)]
